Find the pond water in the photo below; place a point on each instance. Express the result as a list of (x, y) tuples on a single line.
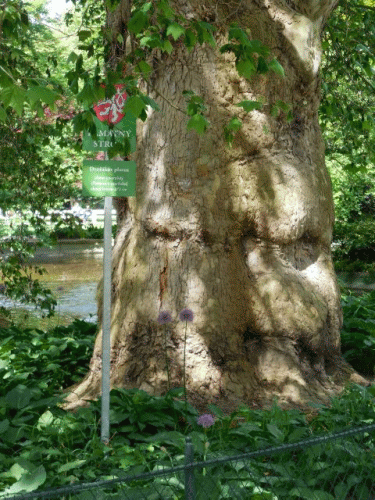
[(74, 269), (73, 272)]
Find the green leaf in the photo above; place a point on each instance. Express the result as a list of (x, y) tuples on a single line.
[(167, 47), (146, 7), (283, 105), (262, 67), (45, 420), (190, 39), (250, 105), (3, 115), (246, 68), (366, 125), (165, 8), (29, 481), (135, 105), (151, 102), (72, 58), (112, 4), (234, 124), (19, 397), (18, 99), (43, 94), (276, 67), (238, 34), (151, 41), (310, 494), (204, 32), (198, 123), (175, 30), (275, 431), (228, 47), (83, 35), (144, 68), (257, 47), (4, 425), (87, 95), (71, 465), (137, 22)]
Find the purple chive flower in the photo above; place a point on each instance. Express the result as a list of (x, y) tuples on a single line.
[(206, 420), (186, 315), (164, 317)]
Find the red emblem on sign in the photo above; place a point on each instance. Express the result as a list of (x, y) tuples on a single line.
[(110, 110)]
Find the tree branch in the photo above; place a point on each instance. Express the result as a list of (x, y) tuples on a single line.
[(314, 9)]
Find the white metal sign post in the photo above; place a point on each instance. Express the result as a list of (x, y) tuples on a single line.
[(106, 328), (108, 178)]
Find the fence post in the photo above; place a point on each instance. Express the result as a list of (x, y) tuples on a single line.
[(189, 471)]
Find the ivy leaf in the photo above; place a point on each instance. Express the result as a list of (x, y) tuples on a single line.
[(250, 105), (151, 41), (231, 129), (204, 32), (150, 102), (256, 46), (280, 105), (137, 22), (175, 30), (238, 34), (143, 115), (276, 67), (165, 8), (198, 122), (246, 68), (229, 47), (190, 39), (262, 66), (144, 68), (112, 4), (146, 7), (283, 105), (167, 47)]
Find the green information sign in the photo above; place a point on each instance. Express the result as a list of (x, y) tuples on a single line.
[(108, 178), (108, 136)]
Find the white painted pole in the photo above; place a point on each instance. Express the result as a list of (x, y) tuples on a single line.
[(106, 329)]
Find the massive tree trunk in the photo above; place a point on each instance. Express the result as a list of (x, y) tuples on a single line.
[(241, 235)]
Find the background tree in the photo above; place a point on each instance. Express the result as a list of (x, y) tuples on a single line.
[(38, 165), (241, 235), (346, 116)]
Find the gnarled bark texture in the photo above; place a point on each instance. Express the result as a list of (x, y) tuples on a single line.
[(240, 236)]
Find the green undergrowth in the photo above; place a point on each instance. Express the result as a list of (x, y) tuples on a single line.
[(358, 332), (43, 446)]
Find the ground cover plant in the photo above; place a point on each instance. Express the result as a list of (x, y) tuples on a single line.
[(42, 445)]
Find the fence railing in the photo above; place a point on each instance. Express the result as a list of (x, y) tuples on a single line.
[(338, 466), (94, 217)]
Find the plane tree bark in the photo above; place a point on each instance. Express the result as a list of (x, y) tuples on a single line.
[(241, 236)]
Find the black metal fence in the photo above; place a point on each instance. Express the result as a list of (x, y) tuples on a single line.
[(338, 466)]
